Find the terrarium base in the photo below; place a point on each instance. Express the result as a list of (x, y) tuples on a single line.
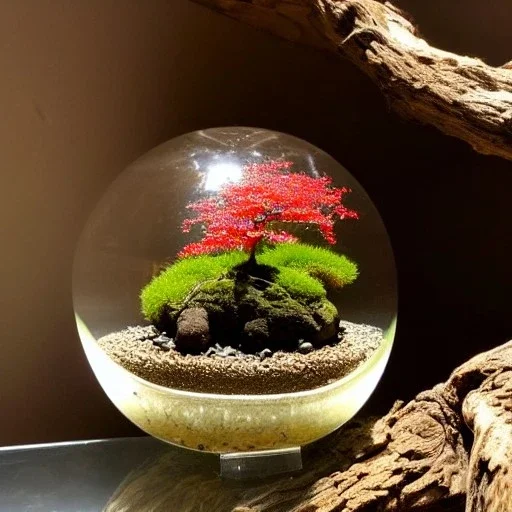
[(260, 464), (283, 372), (227, 423)]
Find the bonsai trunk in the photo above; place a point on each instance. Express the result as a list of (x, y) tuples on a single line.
[(250, 272), (251, 263), (251, 267)]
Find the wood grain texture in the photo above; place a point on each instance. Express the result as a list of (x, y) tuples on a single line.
[(461, 96), (415, 458)]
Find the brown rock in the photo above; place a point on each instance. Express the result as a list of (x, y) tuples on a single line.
[(193, 331), (256, 333)]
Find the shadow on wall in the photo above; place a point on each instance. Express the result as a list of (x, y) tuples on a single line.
[(88, 87)]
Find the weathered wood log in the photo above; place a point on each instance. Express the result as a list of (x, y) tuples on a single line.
[(414, 459), (420, 457), (488, 411), (461, 96)]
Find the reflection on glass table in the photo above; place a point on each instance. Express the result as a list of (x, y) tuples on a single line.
[(140, 474)]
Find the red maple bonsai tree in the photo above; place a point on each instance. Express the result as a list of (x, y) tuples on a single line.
[(242, 214)]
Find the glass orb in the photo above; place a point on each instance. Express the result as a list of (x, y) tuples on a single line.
[(235, 290)]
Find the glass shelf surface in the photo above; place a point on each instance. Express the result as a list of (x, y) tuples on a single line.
[(132, 474)]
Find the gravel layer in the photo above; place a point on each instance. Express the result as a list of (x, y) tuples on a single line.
[(141, 351)]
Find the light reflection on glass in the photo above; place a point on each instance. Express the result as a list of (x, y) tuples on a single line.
[(221, 173)]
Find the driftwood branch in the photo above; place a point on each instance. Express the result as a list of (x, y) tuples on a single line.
[(449, 449), (488, 411), (461, 96)]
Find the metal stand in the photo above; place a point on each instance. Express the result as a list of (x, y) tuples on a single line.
[(247, 465)]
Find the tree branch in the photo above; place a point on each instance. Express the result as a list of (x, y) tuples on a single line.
[(461, 96), (488, 412)]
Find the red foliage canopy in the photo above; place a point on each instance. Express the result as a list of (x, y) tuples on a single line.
[(241, 214)]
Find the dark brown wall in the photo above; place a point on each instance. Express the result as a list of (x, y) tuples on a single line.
[(88, 86)]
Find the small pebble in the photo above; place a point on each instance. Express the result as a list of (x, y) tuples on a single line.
[(164, 343), (142, 333), (223, 352), (151, 332), (227, 353), (161, 339), (305, 348), (266, 352)]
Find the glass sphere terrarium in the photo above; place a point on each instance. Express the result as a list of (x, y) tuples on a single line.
[(235, 291)]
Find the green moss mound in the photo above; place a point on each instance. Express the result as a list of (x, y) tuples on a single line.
[(171, 287), (303, 273), (299, 284), (333, 270)]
